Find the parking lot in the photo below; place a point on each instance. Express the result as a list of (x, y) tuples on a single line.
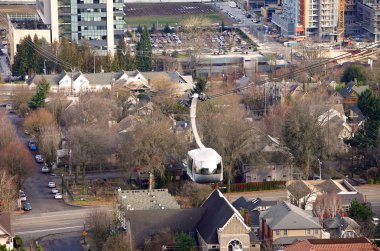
[(212, 41), (238, 16)]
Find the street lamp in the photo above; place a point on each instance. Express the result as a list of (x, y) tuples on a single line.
[(62, 183)]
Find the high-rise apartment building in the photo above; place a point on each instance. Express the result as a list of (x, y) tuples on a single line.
[(316, 19), (99, 22), (368, 13)]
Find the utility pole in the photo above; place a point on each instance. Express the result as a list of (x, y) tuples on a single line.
[(94, 62)]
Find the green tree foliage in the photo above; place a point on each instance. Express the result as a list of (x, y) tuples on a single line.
[(28, 60), (38, 248), (360, 212), (153, 29), (200, 85), (167, 28), (353, 72), (38, 100), (185, 242), (144, 52), (139, 29), (302, 135), (369, 104)]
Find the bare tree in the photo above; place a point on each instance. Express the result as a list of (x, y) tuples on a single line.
[(21, 101), (118, 243), (37, 121), (150, 144), (195, 193), (57, 106), (8, 191), (16, 159), (48, 143), (327, 205), (164, 237), (90, 110), (90, 146), (224, 127), (7, 132), (101, 222)]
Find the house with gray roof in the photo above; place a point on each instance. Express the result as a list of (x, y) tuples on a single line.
[(284, 223), (253, 207), (351, 93), (223, 228), (341, 227), (301, 194), (216, 225)]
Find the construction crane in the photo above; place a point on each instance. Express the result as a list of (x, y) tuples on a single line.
[(341, 9)]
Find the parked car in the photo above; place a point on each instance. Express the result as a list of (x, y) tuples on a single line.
[(32, 145), (45, 169), (51, 184), (22, 195), (54, 190), (26, 206), (39, 158), (58, 196)]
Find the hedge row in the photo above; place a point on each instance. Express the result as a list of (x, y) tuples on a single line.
[(257, 186)]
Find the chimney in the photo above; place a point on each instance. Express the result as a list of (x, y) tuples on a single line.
[(246, 216)]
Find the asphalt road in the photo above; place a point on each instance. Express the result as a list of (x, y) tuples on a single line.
[(36, 186), (4, 69), (62, 242), (52, 227)]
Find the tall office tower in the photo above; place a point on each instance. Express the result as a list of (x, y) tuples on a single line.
[(99, 22)]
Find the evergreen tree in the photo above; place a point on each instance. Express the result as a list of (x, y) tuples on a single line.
[(38, 100), (130, 60), (139, 29), (65, 52), (121, 54), (37, 61), (353, 72), (154, 28), (167, 28), (144, 52)]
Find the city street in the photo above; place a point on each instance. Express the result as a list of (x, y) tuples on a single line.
[(4, 69), (36, 186)]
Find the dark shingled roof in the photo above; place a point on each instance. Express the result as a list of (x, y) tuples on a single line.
[(348, 198), (5, 223), (298, 189), (218, 212), (147, 222)]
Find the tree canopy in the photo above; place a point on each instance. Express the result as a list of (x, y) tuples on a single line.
[(38, 100), (353, 72), (144, 52)]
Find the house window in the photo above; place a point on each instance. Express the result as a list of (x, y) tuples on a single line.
[(285, 232), (307, 231), (278, 232), (315, 231)]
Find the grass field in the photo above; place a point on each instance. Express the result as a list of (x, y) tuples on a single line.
[(161, 21)]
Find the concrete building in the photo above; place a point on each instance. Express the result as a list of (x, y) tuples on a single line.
[(368, 13), (316, 19), (99, 22), (21, 26)]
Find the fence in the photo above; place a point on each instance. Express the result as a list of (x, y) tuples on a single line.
[(257, 186)]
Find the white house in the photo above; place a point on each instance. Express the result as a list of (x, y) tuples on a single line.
[(6, 236)]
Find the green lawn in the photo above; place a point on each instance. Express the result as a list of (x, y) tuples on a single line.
[(171, 20)]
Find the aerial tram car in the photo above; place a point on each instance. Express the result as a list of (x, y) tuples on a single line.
[(204, 165)]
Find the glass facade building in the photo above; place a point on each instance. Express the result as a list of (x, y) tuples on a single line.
[(99, 22)]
